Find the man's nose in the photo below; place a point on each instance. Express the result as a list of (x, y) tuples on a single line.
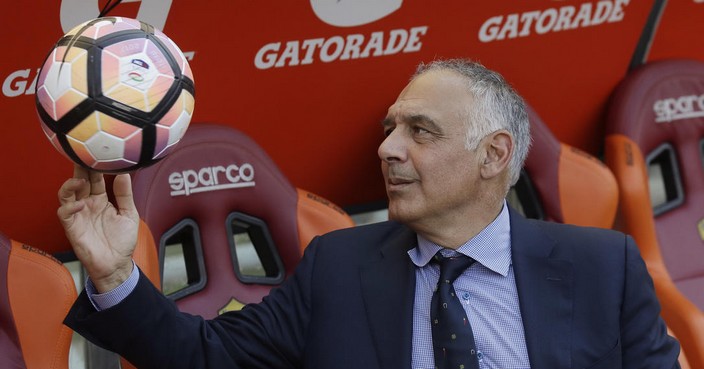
[(393, 148)]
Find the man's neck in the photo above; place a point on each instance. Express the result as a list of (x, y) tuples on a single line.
[(454, 230)]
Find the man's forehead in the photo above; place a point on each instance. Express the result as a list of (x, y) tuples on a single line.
[(433, 102), (413, 99), (408, 110), (407, 116)]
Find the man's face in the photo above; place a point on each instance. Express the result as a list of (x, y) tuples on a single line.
[(429, 174)]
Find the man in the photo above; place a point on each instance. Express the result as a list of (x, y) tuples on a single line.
[(540, 295)]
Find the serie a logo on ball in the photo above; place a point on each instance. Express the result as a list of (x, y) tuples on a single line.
[(115, 94)]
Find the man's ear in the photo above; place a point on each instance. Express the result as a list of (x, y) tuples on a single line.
[(498, 149)]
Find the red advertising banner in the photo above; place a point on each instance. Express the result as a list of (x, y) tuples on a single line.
[(678, 27), (310, 80)]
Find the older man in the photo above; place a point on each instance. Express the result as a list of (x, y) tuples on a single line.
[(456, 279)]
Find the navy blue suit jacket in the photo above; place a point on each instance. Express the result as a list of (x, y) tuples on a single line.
[(586, 301)]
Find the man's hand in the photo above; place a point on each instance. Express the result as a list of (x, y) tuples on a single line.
[(103, 237)]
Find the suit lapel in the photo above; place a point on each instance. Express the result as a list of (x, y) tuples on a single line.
[(388, 287), (545, 294)]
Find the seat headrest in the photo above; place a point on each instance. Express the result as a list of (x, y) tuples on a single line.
[(562, 175), (215, 171), (660, 102)]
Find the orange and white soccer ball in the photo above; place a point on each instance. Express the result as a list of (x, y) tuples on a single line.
[(115, 94)]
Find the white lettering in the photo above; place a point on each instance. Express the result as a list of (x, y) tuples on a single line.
[(290, 53), (617, 14), (325, 54), (528, 19), (683, 107), (335, 48), (190, 177), (582, 18), (352, 47), (548, 20), (16, 83), (216, 170), (176, 181), (266, 56), (247, 172), (564, 21), (397, 38), (510, 27), (602, 12), (310, 46), (206, 177), (213, 178), (376, 42), (489, 30), (414, 43)]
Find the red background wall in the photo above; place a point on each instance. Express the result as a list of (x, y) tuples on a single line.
[(320, 121)]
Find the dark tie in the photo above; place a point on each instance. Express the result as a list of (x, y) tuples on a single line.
[(453, 341)]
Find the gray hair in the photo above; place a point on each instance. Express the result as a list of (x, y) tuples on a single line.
[(496, 106)]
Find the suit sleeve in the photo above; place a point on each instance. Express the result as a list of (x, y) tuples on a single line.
[(644, 338), (148, 330)]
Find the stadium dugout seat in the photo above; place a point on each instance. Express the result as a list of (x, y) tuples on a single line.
[(229, 224), (654, 146), (36, 292), (563, 184)]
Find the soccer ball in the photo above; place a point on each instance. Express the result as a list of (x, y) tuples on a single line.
[(115, 94)]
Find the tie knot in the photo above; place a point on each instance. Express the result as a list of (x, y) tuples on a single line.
[(452, 267)]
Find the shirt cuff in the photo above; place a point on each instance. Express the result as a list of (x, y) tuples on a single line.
[(103, 301)]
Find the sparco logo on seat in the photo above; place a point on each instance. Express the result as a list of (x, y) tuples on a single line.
[(212, 178), (678, 108)]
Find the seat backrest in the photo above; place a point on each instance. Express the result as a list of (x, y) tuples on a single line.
[(235, 224), (36, 292), (563, 184), (654, 146), (659, 109)]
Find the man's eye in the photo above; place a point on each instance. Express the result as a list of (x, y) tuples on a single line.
[(420, 130), (387, 132)]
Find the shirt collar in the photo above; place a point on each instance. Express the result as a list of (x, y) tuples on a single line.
[(491, 247)]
